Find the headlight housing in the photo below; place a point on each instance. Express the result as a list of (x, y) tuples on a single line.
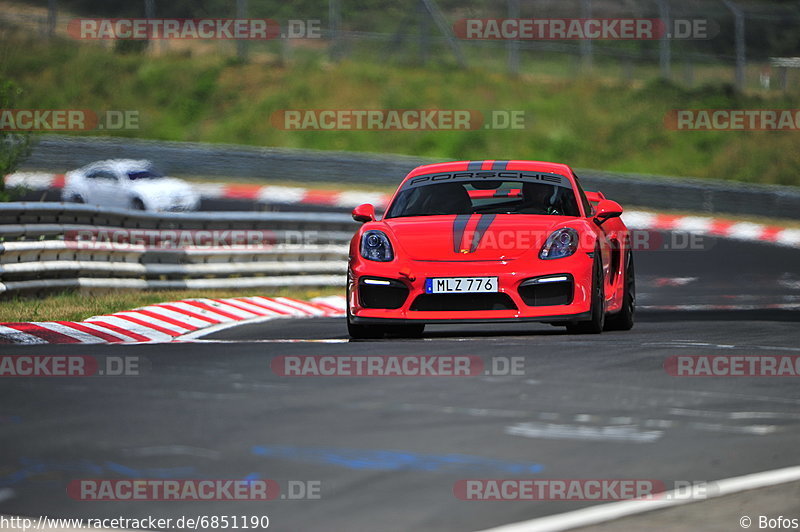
[(375, 246), (561, 243)]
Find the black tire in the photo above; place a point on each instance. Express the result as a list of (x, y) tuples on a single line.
[(364, 332), (624, 319), (137, 204), (76, 198), (595, 324)]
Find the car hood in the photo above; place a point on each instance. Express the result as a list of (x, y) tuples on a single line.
[(471, 237)]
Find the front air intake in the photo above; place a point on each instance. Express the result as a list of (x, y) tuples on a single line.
[(456, 302), (381, 293), (547, 291)]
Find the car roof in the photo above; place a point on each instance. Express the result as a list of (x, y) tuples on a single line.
[(120, 165), (514, 165)]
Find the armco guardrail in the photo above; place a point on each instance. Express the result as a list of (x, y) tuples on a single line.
[(60, 153), (52, 246)]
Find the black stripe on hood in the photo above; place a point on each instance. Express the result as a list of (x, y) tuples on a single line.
[(459, 226), (483, 224)]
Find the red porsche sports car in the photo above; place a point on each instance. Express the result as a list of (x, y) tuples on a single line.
[(490, 241)]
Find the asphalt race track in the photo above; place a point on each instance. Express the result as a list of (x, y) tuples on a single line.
[(388, 451)]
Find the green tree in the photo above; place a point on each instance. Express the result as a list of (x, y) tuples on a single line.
[(14, 146)]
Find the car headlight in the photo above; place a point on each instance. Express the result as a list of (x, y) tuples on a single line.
[(561, 243), (375, 245)]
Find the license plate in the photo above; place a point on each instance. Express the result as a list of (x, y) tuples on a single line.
[(460, 285)]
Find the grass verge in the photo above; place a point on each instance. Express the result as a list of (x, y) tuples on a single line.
[(584, 120)]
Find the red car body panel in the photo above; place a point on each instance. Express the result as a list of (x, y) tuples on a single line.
[(429, 247)]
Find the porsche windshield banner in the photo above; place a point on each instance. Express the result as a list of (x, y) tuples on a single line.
[(502, 175)]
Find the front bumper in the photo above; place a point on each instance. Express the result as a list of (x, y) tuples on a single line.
[(512, 303)]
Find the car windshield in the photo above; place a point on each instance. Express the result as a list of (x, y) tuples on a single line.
[(143, 174), (485, 197)]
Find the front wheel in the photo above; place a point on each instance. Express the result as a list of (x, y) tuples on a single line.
[(358, 331), (595, 324), (363, 332)]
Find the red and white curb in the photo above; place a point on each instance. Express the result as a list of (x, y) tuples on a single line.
[(292, 195), (708, 226), (167, 322), (256, 193)]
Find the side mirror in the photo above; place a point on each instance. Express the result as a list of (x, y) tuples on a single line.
[(364, 213), (605, 210)]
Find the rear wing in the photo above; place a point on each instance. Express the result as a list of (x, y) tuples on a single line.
[(479, 194), (594, 197)]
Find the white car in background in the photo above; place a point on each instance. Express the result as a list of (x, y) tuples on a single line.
[(129, 184)]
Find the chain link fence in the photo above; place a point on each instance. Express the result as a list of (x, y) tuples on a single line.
[(746, 43)]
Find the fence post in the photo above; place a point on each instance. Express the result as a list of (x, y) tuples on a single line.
[(52, 16), (738, 18), (664, 49), (513, 45), (586, 43), (424, 33), (627, 69), (688, 72), (150, 13), (241, 45), (333, 25), (446, 30)]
